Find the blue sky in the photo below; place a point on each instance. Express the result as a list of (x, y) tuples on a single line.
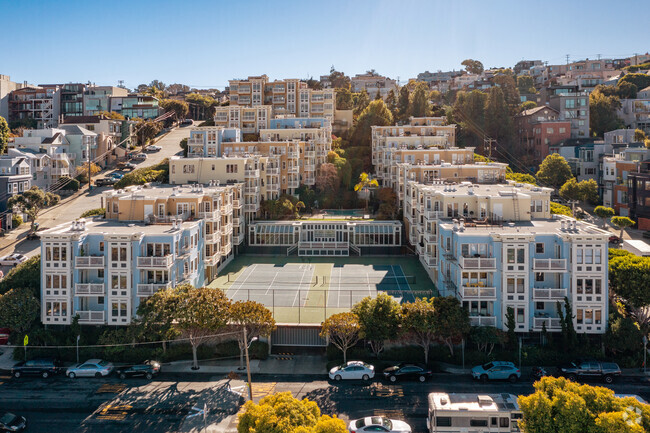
[(206, 43)]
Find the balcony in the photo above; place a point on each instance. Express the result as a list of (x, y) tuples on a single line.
[(251, 207), (548, 294), (477, 292), (483, 321), (552, 323), (89, 262), (484, 263), (90, 317), (429, 260), (225, 249), (89, 289), (251, 190), (210, 215), (213, 238), (272, 171), (431, 238), (236, 204), (292, 154), (145, 290), (433, 214), (237, 222), (293, 169), (238, 239), (59, 171), (226, 229), (273, 187), (310, 154), (554, 265), (309, 180), (213, 259), (310, 167), (156, 262), (293, 183), (252, 174)]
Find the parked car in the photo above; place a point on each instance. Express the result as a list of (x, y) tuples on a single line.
[(147, 369), (406, 372), (116, 176), (140, 157), (496, 370), (153, 148), (614, 240), (352, 370), (187, 122), (105, 181), (37, 367), (4, 335), (90, 368), (12, 423), (125, 165), (378, 424), (12, 259), (590, 369)]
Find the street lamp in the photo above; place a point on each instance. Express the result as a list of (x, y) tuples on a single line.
[(248, 366), (78, 337)]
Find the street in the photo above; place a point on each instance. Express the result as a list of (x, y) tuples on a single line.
[(161, 405)]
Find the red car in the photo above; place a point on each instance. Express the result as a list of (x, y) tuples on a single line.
[(4, 335), (614, 240)]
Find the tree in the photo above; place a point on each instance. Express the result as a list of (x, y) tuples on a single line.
[(528, 105), (639, 135), (419, 101), (522, 178), (554, 171), (343, 99), (196, 313), (176, 88), (391, 103), (377, 95), (603, 213), (403, 103), (641, 81), (255, 318), (147, 130), (629, 278), (379, 320), (627, 90), (339, 80), (282, 413), (418, 324), (511, 325), (469, 113), (342, 330), (602, 113), (32, 201), (560, 209), (560, 405), (388, 204), (19, 310), (361, 102), (498, 122), (114, 115), (486, 337), (586, 190), (375, 114), (184, 146), (623, 336), (506, 82), (525, 84), (473, 66), (365, 182), (328, 179), (451, 321), (622, 222), (569, 335), (82, 171), (26, 275), (4, 135), (179, 108)]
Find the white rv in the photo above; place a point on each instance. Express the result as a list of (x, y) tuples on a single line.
[(469, 412)]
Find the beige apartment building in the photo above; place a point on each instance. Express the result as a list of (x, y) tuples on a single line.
[(250, 120), (289, 97)]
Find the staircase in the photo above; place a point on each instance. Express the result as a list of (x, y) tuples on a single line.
[(291, 249), (355, 249), (515, 204)]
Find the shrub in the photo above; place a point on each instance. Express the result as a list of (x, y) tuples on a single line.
[(259, 350), (71, 184), (140, 176), (100, 211), (560, 209), (16, 220), (26, 275)]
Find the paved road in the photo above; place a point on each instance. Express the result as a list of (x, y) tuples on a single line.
[(110, 405)]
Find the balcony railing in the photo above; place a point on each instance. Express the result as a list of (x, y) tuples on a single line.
[(293, 183), (293, 169), (433, 214), (150, 289), (470, 292), (292, 154), (237, 222), (252, 173), (310, 154), (428, 259), (213, 259), (478, 263), (226, 229), (273, 187), (213, 238), (89, 262), (431, 237), (238, 239), (89, 289), (483, 320), (225, 249), (251, 207), (251, 190), (155, 262), (90, 316), (551, 323), (210, 215), (310, 167), (548, 294), (549, 264), (236, 204), (226, 209)]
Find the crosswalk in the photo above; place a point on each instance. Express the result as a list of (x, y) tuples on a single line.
[(114, 412)]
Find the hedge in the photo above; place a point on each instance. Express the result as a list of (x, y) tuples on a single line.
[(100, 211), (140, 176)]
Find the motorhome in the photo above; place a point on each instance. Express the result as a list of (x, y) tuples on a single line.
[(469, 412)]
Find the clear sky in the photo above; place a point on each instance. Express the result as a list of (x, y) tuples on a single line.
[(205, 43)]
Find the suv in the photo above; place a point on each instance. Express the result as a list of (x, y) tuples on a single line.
[(105, 181), (496, 370), (147, 369), (606, 371), (36, 367)]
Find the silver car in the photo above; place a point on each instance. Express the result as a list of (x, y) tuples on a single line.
[(90, 368)]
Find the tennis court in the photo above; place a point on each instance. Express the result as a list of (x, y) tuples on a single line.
[(308, 290)]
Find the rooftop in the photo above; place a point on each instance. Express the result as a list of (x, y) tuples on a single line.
[(164, 191), (111, 227), (473, 402), (484, 190), (556, 225)]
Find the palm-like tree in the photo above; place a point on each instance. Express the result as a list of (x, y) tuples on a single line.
[(365, 182)]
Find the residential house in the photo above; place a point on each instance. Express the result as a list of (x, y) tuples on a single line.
[(15, 178), (97, 98), (572, 104), (537, 130), (40, 104), (372, 83), (135, 105)]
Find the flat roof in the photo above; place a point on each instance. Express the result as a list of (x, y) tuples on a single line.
[(166, 190), (639, 245), (112, 227), (535, 226), (483, 190), (473, 402)]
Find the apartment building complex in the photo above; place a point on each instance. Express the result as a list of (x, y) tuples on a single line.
[(40, 104), (151, 239), (250, 120), (497, 247), (537, 130), (6, 87), (372, 83), (289, 97), (97, 98), (572, 104)]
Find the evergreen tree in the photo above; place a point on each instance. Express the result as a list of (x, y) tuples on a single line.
[(419, 104), (403, 104), (498, 123), (391, 103)]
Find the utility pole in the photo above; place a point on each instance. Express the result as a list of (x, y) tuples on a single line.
[(88, 158), (567, 59), (248, 367), (487, 143)]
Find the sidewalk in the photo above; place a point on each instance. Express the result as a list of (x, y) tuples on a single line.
[(274, 365)]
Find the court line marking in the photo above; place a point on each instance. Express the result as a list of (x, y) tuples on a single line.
[(293, 304), (242, 283), (271, 285)]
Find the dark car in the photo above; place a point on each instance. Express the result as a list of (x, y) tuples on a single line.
[(126, 165), (12, 423), (147, 369), (4, 335), (105, 181), (590, 369), (36, 367), (614, 240), (406, 372)]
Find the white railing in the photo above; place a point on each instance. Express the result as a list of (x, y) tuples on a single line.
[(431, 237), (213, 238), (483, 320), (433, 214), (155, 262), (90, 316), (210, 215), (150, 289), (273, 187), (91, 289), (213, 259), (251, 207), (478, 262), (226, 229), (238, 239), (428, 259), (551, 323), (225, 249), (293, 169), (324, 245), (252, 173), (272, 170), (251, 189), (310, 167), (236, 204), (549, 294), (468, 292), (226, 209), (292, 154), (549, 264), (293, 183), (310, 154), (237, 221), (89, 262)]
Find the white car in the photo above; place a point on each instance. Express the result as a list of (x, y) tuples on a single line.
[(153, 148), (12, 259), (353, 370), (90, 368), (378, 424)]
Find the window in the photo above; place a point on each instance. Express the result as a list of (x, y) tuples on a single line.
[(478, 422), (504, 422), (539, 248), (520, 315), (443, 421), (539, 276), (101, 247)]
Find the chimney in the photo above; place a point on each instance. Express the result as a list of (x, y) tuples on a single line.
[(455, 228), (562, 225)]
